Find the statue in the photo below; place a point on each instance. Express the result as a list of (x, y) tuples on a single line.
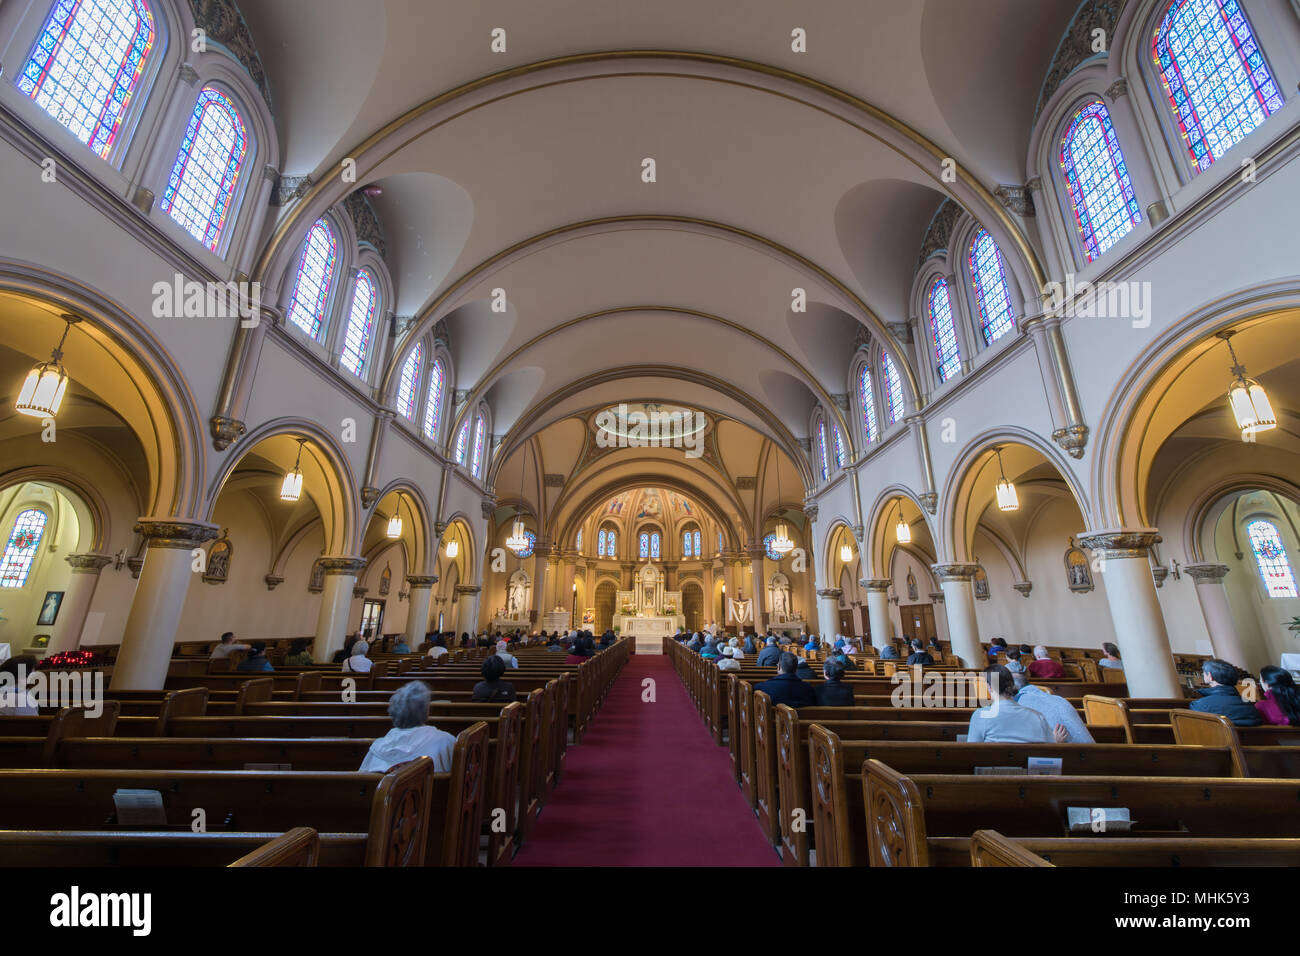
[(911, 586), (217, 569), (779, 589), (517, 596)]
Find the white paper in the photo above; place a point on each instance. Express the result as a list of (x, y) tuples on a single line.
[(140, 808), (1045, 766)]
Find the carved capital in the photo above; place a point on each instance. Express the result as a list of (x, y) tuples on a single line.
[(359, 591), (879, 585), (225, 431), (88, 563), (835, 593), (858, 532), (488, 506), (188, 74), (955, 572), (343, 565), (272, 581), (930, 501), (1121, 542), (422, 580), (135, 564), (468, 589), (1073, 440), (1158, 575), (1118, 89), (369, 495), (1016, 199), (755, 550), (1206, 572), (175, 533), (440, 528), (1024, 587), (936, 597), (810, 512)]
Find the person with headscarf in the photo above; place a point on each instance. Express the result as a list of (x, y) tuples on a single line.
[(696, 642), (728, 662), (411, 736)]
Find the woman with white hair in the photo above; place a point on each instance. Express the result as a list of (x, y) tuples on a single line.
[(359, 662), (412, 736)]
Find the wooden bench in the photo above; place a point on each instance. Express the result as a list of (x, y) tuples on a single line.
[(990, 848)]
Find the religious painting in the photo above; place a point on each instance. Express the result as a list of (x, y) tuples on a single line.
[(316, 581), (651, 506), (1078, 570), (911, 586), (217, 569), (385, 580), (981, 584), (616, 505), (50, 608)]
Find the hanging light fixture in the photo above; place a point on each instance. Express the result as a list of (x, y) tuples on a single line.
[(518, 541), (1247, 398), (291, 489), (781, 543), (902, 530), (395, 522), (846, 553), (42, 391), (453, 548), (1008, 500)]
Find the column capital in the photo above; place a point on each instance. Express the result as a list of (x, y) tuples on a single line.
[(954, 572), (1206, 572), (468, 589), (831, 593), (272, 581), (360, 591), (88, 563), (756, 551), (225, 431), (936, 597), (1120, 542), (1073, 439), (343, 565), (879, 585), (422, 580), (175, 532), (1024, 587)]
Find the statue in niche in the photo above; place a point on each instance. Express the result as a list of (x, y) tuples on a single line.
[(385, 580), (779, 590), (1078, 571), (217, 569), (316, 582), (911, 586), (517, 596), (981, 584)]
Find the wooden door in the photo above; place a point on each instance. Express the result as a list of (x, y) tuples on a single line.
[(605, 594), (692, 605), (918, 621)]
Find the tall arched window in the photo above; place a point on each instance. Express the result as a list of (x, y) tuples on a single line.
[(86, 64), (989, 278), (1270, 555), (607, 543), (654, 544), (480, 426), (1101, 193), (841, 458), (867, 397), (821, 449), (201, 187), (893, 389), (577, 544), (408, 381), (462, 442), (311, 289), (644, 542), (20, 552), (361, 323), (687, 552), (600, 543), (1215, 75), (947, 354), (433, 406), (698, 552)]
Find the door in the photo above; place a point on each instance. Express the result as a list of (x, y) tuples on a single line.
[(372, 618), (605, 593), (693, 606), (918, 621)]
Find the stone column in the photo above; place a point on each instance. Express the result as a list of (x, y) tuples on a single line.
[(150, 632), (541, 578), (467, 613), (417, 615), (877, 609), (65, 635), (828, 611), (957, 582), (756, 552), (334, 620), (1135, 609), (1213, 596), (1141, 171)]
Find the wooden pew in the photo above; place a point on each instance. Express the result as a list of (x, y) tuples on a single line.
[(82, 849), (299, 847), (990, 848)]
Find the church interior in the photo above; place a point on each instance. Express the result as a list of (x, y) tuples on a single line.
[(350, 346)]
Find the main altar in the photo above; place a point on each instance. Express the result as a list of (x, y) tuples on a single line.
[(648, 613)]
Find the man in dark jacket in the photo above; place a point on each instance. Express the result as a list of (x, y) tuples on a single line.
[(919, 655), (786, 688), (833, 692), (769, 655), (1221, 696)]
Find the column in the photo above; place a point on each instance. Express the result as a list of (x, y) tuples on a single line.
[(65, 635), (1213, 596), (541, 572), (417, 615), (333, 622), (150, 632), (1146, 183), (1135, 609), (828, 611), (759, 586), (877, 609), (467, 613), (957, 582)]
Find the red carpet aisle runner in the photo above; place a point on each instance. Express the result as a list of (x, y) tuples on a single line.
[(647, 787)]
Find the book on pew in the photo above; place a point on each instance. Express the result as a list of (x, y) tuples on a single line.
[(1044, 766), (139, 808), (1099, 819)]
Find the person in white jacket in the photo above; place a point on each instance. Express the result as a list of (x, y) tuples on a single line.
[(412, 735)]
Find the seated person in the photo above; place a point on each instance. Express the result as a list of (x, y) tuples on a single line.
[(786, 687), (1221, 697), (1007, 722), (1112, 657), (1280, 704), (736, 650), (812, 644), (298, 655), (226, 647), (359, 662), (1043, 667), (256, 660), (769, 655), (492, 688), (438, 648), (696, 642), (1057, 710), (833, 692), (554, 643), (889, 652), (842, 655), (1013, 658), (997, 646), (749, 644), (803, 670), (919, 654), (728, 662), (400, 646), (710, 650), (503, 652), (346, 651), (15, 700), (411, 735)]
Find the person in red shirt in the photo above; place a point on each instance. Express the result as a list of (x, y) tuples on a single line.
[(1043, 667), (1280, 705)]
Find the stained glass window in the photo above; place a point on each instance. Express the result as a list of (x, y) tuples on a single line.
[(356, 340), (527, 551), (767, 546), (1215, 75), (201, 186), (480, 426), (686, 544), (1274, 568), (408, 381), (867, 396), (1101, 193), (698, 552), (645, 545), (821, 449), (611, 543), (600, 544), (992, 292), (893, 388), (315, 274), (719, 542), (86, 63), (946, 351), (433, 407), (462, 442), (24, 539), (654, 545)]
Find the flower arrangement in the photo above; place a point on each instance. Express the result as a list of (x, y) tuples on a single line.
[(628, 608), (66, 659), (1293, 625), (670, 608)]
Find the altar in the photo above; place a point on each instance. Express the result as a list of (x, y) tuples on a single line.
[(648, 613)]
